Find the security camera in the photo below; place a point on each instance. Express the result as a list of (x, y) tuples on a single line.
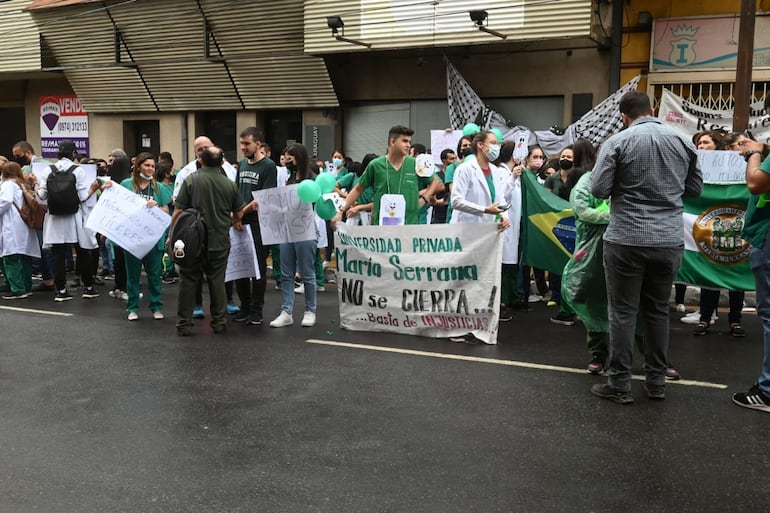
[(478, 16)]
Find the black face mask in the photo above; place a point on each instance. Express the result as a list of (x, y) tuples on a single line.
[(292, 167), (21, 160), (565, 164), (466, 151)]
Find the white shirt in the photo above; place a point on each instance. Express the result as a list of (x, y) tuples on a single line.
[(192, 167)]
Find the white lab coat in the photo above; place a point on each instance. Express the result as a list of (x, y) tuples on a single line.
[(69, 229), (512, 234), (16, 238), (192, 167), (470, 192)]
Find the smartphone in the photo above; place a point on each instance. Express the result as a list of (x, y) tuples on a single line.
[(503, 207)]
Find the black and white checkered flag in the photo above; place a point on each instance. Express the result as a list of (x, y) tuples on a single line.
[(604, 120), (465, 106)]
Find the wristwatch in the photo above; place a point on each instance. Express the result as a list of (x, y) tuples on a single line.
[(748, 154)]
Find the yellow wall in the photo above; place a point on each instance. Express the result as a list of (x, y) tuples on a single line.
[(636, 45)]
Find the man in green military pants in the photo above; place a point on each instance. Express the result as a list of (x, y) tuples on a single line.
[(222, 206)]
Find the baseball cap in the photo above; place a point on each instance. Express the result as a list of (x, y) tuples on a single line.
[(67, 146)]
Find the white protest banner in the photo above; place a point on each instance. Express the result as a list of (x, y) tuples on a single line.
[(283, 217), (441, 140), (242, 262), (90, 170), (690, 118), (430, 280), (722, 167), (123, 217)]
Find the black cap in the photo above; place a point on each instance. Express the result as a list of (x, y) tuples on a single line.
[(67, 146)]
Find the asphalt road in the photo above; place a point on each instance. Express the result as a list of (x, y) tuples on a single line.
[(103, 415)]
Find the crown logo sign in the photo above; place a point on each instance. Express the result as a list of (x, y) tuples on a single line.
[(684, 30)]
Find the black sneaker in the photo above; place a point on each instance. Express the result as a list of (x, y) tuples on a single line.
[(242, 316), (564, 319), (90, 292), (255, 319), (596, 365), (671, 373), (605, 391), (655, 392), (98, 281), (701, 329), (20, 295), (76, 284), (737, 330), (62, 295), (168, 280), (754, 399), (42, 287), (505, 314)]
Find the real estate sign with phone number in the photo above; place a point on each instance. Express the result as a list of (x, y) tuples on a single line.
[(62, 117)]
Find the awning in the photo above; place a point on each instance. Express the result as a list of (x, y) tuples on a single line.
[(181, 55)]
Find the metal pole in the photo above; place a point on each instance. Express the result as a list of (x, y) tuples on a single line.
[(616, 41), (743, 92)]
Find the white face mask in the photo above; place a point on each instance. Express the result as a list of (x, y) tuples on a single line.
[(144, 176), (493, 152)]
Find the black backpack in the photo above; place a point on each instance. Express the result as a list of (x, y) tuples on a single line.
[(190, 231), (63, 199)]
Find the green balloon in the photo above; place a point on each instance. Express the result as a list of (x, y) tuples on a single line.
[(326, 182), (471, 129), (325, 209), (308, 191)]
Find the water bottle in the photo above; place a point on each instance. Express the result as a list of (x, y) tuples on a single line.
[(179, 249)]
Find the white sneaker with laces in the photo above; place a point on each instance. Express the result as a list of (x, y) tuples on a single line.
[(680, 308), (694, 318), (308, 319), (283, 319), (534, 298), (299, 289)]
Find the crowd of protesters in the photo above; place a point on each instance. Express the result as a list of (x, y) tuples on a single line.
[(627, 201)]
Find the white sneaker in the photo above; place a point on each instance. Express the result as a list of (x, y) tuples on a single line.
[(694, 318), (680, 308), (308, 319), (534, 298), (133, 316), (283, 319), (299, 289), (115, 293), (320, 289)]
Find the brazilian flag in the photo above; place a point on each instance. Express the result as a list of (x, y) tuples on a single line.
[(548, 227)]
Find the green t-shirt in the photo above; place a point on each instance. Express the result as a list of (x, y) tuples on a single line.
[(757, 221), (424, 182), (263, 174), (384, 179), (218, 197)]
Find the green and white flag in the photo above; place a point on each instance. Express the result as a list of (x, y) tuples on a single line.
[(715, 253)]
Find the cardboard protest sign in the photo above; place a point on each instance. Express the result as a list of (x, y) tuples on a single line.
[(123, 217), (429, 280), (283, 217), (242, 261)]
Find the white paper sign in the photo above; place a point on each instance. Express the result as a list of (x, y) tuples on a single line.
[(392, 210), (123, 217), (424, 165), (521, 139), (722, 167), (430, 280), (283, 217), (242, 262), (441, 140)]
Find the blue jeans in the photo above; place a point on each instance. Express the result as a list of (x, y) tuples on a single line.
[(298, 256), (760, 266), (639, 284)]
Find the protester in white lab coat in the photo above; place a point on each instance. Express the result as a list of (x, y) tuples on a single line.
[(480, 186), (61, 230), (509, 295), (18, 242)]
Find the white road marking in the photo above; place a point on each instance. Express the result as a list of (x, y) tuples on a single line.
[(495, 361), (32, 310)]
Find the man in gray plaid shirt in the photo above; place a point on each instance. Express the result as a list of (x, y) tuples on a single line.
[(645, 170)]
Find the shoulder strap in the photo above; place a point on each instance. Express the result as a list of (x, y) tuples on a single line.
[(72, 168), (54, 169), (195, 190)]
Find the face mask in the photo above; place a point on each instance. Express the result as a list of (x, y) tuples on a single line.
[(21, 160), (292, 167), (337, 163), (466, 151), (493, 152), (145, 177), (565, 164)]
